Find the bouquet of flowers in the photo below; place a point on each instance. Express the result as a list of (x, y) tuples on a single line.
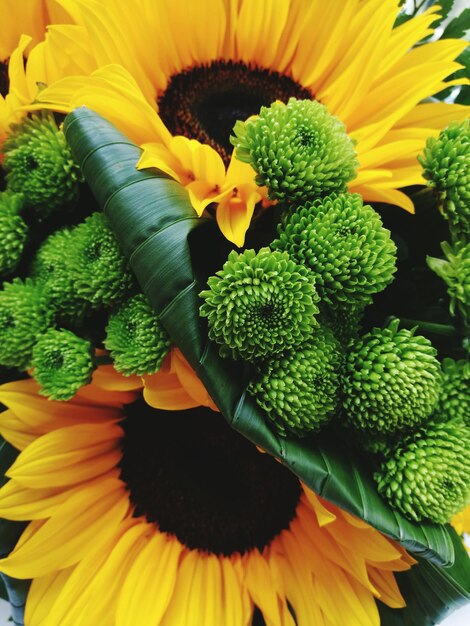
[(234, 312)]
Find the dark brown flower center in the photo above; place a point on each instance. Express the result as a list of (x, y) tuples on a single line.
[(4, 80), (205, 101), (196, 478)]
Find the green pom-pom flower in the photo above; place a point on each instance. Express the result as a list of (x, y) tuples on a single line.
[(52, 266), (62, 363), (39, 164), (260, 304), (25, 314), (446, 166), (297, 150), (13, 232), (391, 382), (300, 390), (344, 244), (427, 476), (455, 272), (454, 399), (99, 270), (134, 336)]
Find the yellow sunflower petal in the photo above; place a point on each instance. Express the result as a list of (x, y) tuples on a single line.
[(189, 380), (68, 455), (28, 17), (68, 605), (15, 432), (105, 377), (80, 525), (262, 589), (18, 502), (388, 588), (42, 595), (150, 582), (197, 595), (236, 603), (112, 92), (388, 196), (42, 415), (89, 596)]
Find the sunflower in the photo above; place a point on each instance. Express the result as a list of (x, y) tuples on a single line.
[(23, 26), (143, 516), (175, 76)]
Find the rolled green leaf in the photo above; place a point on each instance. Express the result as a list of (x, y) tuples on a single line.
[(153, 218), (156, 225)]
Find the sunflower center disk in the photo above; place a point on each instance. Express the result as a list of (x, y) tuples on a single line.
[(4, 80), (196, 478), (204, 102)]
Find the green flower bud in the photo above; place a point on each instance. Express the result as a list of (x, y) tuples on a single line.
[(454, 399), (297, 150), (344, 244), (62, 364), (427, 476), (446, 166), (39, 164), (391, 381), (137, 341), (51, 266), (300, 391), (99, 270), (260, 304), (455, 272), (25, 314), (13, 232)]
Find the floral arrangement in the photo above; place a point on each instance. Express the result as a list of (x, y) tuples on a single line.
[(234, 312)]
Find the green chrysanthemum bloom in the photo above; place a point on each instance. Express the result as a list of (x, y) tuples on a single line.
[(99, 270), (427, 476), (25, 314), (454, 399), (391, 381), (446, 165), (52, 267), (297, 150), (455, 272), (39, 165), (137, 341), (260, 304), (300, 390), (62, 362), (13, 231), (345, 245)]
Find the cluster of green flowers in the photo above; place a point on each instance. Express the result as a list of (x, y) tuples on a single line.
[(77, 293), (293, 311)]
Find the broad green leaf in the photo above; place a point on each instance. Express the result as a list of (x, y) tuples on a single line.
[(157, 228), (458, 27)]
